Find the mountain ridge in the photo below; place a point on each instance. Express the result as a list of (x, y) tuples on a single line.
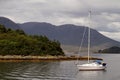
[(9, 23), (67, 34)]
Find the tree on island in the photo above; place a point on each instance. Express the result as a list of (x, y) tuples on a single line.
[(16, 42)]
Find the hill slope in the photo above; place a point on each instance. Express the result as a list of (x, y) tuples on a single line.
[(9, 23), (68, 34)]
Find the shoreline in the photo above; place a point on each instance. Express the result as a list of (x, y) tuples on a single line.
[(12, 58)]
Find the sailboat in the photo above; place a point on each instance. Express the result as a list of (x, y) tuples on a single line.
[(91, 66)]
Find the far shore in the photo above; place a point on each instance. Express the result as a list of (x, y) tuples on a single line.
[(10, 58)]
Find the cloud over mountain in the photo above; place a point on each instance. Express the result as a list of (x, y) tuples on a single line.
[(105, 13)]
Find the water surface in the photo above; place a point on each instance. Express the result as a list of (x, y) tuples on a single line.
[(59, 70)]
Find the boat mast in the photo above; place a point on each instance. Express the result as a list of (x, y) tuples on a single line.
[(89, 37)]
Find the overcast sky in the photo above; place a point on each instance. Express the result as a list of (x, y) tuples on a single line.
[(105, 16)]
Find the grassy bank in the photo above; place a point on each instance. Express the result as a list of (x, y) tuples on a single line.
[(39, 58)]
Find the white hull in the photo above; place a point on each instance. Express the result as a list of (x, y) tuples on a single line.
[(91, 67)]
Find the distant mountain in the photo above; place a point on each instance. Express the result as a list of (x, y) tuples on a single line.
[(68, 34), (9, 23)]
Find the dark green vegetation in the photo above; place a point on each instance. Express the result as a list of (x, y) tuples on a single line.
[(16, 42), (113, 49)]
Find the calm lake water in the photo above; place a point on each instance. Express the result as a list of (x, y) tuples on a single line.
[(59, 70)]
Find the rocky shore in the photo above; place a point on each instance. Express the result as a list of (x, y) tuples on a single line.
[(40, 58)]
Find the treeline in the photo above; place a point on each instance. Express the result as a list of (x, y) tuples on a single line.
[(113, 49), (16, 42)]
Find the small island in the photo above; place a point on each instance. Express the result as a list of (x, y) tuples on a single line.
[(16, 45), (114, 49), (16, 42)]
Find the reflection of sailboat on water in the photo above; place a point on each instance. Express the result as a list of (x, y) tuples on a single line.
[(96, 65)]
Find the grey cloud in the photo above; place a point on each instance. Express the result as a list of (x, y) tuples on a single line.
[(105, 13)]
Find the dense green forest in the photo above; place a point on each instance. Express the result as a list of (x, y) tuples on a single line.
[(16, 42), (113, 49)]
